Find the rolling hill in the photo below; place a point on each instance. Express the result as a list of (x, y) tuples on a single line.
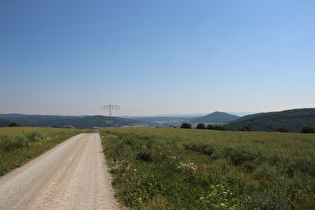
[(4, 123), (216, 118), (33, 120), (213, 118), (160, 119), (293, 120), (99, 121), (68, 121)]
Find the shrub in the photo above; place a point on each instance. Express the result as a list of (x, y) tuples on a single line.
[(201, 126), (220, 128), (185, 125), (216, 127), (265, 200), (210, 127), (283, 130), (245, 128), (14, 125), (308, 129), (145, 156)]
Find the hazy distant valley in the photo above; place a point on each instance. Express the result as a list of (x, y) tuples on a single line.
[(293, 120)]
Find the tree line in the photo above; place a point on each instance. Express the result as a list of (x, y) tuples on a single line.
[(186, 125)]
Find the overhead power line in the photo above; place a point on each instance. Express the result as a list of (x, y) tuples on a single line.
[(110, 108)]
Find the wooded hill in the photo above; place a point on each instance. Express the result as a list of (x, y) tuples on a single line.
[(80, 122), (293, 120), (4, 123), (215, 118)]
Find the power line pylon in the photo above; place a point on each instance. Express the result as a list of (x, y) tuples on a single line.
[(110, 108)]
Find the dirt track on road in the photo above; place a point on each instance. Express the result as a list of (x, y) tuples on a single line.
[(73, 175)]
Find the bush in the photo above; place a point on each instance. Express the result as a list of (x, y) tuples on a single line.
[(201, 126), (265, 200), (308, 129), (216, 127), (145, 156), (245, 128), (283, 130), (14, 125), (185, 125), (7, 144), (220, 128)]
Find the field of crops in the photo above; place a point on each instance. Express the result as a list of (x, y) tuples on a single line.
[(201, 169), (20, 144)]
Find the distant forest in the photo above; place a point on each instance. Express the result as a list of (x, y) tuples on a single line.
[(292, 120), (86, 122), (286, 121)]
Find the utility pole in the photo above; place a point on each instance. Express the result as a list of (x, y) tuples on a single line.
[(110, 108)]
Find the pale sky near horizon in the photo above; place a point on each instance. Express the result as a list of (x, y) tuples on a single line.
[(70, 57)]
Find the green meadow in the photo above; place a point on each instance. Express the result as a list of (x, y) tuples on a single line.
[(205, 169), (18, 145)]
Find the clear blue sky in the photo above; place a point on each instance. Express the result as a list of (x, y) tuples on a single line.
[(70, 57)]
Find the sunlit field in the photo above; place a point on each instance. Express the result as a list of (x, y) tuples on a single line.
[(201, 169), (20, 144)]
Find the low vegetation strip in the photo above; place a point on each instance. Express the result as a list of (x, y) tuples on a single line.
[(20, 144), (201, 169)]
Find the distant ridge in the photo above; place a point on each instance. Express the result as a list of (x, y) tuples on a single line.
[(216, 118), (160, 119), (293, 120), (88, 122), (4, 123)]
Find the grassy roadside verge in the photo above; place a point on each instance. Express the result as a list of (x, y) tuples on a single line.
[(18, 145), (196, 169)]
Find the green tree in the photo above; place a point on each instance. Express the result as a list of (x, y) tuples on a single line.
[(201, 126), (216, 127), (210, 127), (185, 125), (283, 130), (220, 128), (14, 125), (245, 128), (308, 129)]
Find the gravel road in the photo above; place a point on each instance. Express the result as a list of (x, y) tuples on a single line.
[(73, 175)]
